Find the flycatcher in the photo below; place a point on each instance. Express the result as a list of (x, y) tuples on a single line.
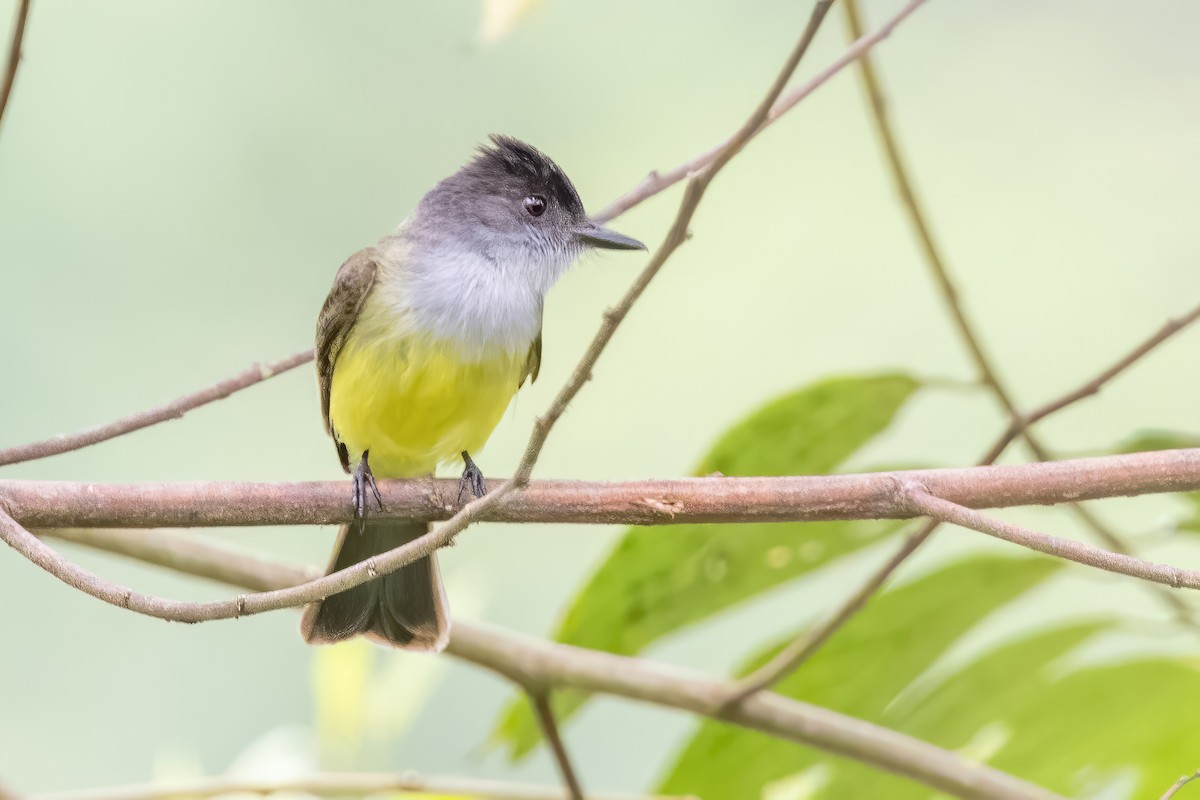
[(422, 342)]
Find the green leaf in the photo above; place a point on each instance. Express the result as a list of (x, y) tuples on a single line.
[(967, 711), (659, 580), (859, 672), (1137, 715)]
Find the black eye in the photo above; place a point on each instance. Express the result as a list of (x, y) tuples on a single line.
[(535, 204)]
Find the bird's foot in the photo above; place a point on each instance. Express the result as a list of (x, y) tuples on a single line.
[(364, 480), (472, 479)]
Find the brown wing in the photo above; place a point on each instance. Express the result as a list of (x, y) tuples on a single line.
[(351, 287)]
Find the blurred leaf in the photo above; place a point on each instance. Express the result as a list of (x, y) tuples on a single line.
[(859, 672), (1099, 720), (967, 712), (500, 16), (340, 681), (656, 581), (1150, 440)]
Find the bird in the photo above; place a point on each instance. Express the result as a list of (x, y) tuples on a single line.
[(421, 343)]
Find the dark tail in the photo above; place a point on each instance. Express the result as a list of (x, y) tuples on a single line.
[(406, 608)]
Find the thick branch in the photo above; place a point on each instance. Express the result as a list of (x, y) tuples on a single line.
[(871, 495), (538, 666), (337, 785)]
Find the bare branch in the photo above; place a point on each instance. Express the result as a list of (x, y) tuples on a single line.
[(14, 55), (545, 717), (337, 785), (807, 498), (173, 410), (1184, 780), (879, 495), (799, 651), (657, 182), (189, 554), (1069, 549), (538, 666), (916, 217), (1097, 383), (676, 235)]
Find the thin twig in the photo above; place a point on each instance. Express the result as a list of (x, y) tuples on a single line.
[(538, 666), (803, 647), (1093, 386), (646, 189), (441, 535), (173, 410), (14, 55), (181, 552), (1184, 780), (799, 650), (676, 235), (331, 784), (984, 364), (1069, 549), (657, 181), (549, 726), (916, 217)]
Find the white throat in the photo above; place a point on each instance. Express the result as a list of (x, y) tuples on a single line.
[(483, 305)]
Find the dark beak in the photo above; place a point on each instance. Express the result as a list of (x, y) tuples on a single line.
[(603, 238)]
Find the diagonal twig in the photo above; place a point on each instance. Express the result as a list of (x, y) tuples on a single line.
[(1184, 780), (14, 55), (33, 549), (648, 188), (793, 655), (1069, 549), (549, 726), (953, 302), (537, 665), (677, 234), (800, 649), (144, 419), (657, 181)]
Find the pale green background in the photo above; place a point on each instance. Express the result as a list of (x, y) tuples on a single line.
[(179, 181)]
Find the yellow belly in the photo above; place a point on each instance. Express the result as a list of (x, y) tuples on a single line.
[(414, 403)]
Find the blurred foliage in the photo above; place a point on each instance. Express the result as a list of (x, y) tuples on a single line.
[(652, 585), (859, 672)]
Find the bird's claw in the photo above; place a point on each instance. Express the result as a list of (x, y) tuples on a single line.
[(472, 479), (364, 479)]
